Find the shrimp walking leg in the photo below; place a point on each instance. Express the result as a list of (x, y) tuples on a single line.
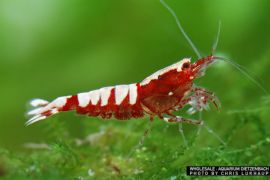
[(145, 135), (180, 129), (180, 120)]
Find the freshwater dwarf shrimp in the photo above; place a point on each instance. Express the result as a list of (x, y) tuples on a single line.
[(159, 95), (163, 92)]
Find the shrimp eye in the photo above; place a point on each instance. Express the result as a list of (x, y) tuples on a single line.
[(186, 65)]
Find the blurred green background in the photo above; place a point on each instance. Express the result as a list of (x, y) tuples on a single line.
[(52, 48)]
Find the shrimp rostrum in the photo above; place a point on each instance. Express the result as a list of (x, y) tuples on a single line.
[(159, 95)]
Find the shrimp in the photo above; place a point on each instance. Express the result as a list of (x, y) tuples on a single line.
[(158, 95), (165, 91)]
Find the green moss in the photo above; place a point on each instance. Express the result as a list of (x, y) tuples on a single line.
[(106, 154)]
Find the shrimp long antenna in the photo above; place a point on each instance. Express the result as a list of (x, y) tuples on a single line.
[(217, 38), (181, 28), (242, 69), (245, 72)]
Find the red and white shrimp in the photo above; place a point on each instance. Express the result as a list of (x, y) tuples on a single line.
[(163, 92), (160, 94)]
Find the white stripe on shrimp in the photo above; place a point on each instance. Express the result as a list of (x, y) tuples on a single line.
[(94, 96), (60, 102), (121, 92), (133, 94), (105, 93), (177, 66), (83, 99)]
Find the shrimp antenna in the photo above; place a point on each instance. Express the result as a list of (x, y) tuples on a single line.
[(242, 69), (245, 72), (181, 28), (217, 38)]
